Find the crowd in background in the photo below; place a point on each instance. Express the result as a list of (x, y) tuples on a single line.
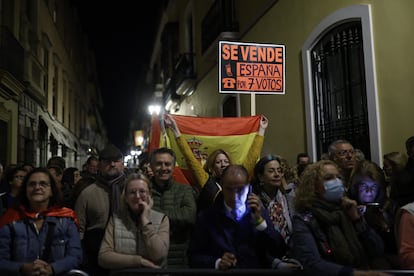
[(341, 215)]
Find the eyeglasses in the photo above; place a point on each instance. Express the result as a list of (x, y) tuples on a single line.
[(42, 184), (345, 152), (142, 193)]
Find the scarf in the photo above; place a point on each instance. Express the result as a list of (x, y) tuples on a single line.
[(114, 188), (342, 237), (279, 213), (20, 213)]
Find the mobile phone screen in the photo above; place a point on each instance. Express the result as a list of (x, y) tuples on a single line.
[(245, 193), (373, 206)]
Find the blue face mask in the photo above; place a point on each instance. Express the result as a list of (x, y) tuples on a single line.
[(334, 190)]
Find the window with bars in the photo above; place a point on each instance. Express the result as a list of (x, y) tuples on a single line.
[(339, 90)]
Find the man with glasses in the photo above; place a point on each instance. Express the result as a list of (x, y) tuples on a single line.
[(97, 202), (343, 154)]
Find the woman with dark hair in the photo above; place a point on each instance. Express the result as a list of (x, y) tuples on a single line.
[(367, 183), (330, 235), (70, 177), (267, 183), (368, 189), (15, 179), (208, 175), (39, 237), (393, 164)]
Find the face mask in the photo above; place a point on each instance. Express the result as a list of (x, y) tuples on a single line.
[(334, 190)]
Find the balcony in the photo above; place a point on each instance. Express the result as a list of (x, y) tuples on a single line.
[(219, 23), (184, 75), (34, 77), (181, 83), (11, 54), (171, 99)]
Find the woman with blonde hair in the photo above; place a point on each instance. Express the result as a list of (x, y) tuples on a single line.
[(136, 236)]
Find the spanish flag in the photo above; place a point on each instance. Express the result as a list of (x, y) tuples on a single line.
[(235, 135)]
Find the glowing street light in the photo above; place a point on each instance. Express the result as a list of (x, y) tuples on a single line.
[(154, 109)]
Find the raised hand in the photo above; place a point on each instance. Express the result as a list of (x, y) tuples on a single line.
[(172, 124), (264, 122)]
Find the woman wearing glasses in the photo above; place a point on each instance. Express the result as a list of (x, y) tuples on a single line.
[(39, 237), (136, 236)]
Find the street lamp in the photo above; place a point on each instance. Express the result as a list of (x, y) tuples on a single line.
[(154, 109)]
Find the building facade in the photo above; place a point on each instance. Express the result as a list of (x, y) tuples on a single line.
[(348, 69), (49, 96)]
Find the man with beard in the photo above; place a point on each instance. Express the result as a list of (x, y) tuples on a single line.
[(97, 202)]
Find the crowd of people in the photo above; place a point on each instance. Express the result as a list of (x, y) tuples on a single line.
[(341, 215)]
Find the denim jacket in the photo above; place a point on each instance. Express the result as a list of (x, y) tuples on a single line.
[(20, 242)]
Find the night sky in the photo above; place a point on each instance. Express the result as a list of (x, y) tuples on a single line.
[(122, 36)]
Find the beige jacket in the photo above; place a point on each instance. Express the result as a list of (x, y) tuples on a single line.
[(150, 242)]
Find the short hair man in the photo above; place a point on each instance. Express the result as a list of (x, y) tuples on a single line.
[(176, 200), (57, 172), (237, 231), (343, 154), (91, 168), (57, 161), (97, 202), (302, 160)]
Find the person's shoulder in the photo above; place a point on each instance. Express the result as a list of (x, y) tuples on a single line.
[(305, 216), (157, 214), (409, 207), (90, 190), (209, 214), (91, 187), (182, 186)]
